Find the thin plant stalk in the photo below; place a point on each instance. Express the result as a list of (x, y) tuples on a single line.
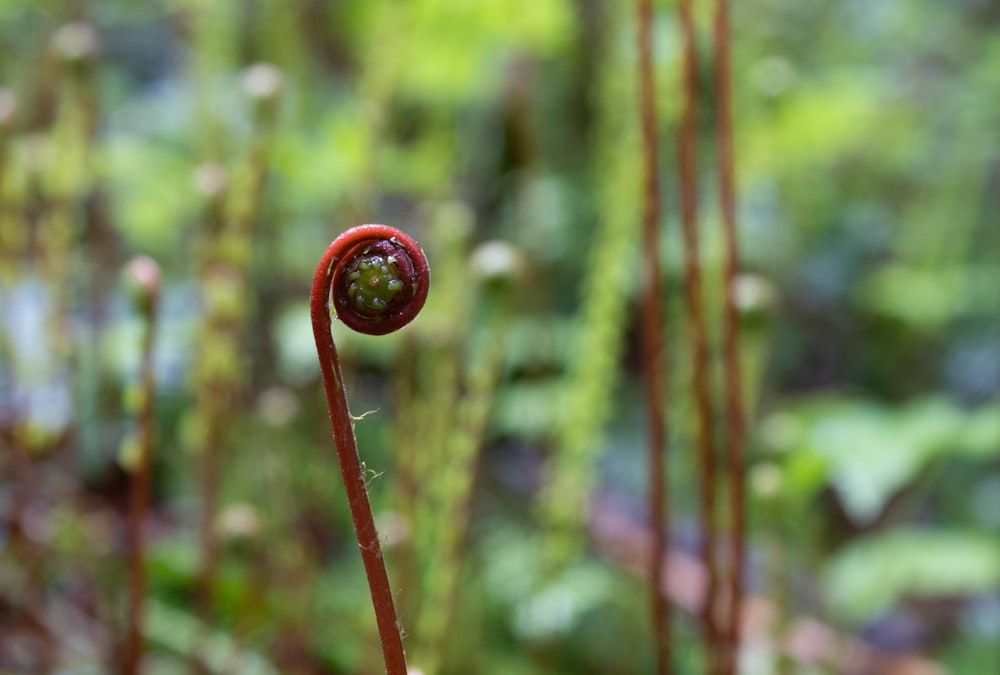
[(651, 327), (146, 274), (354, 484), (688, 168), (231, 216), (588, 403), (379, 316), (498, 268), (439, 611), (210, 396), (439, 445), (735, 420)]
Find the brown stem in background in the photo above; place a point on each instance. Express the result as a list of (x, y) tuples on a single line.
[(145, 273), (735, 422), (651, 326), (624, 540), (688, 167), (374, 302)]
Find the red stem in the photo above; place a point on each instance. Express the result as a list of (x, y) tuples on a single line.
[(735, 421), (147, 273), (651, 326), (340, 418), (687, 146)]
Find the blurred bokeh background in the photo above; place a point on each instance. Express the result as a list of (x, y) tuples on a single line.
[(231, 140)]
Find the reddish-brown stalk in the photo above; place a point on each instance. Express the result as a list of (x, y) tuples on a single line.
[(735, 423), (651, 326), (371, 302), (688, 168), (145, 274)]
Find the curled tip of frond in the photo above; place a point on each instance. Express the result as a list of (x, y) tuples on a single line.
[(754, 295), (76, 41), (263, 81), (498, 262), (210, 179), (143, 277), (379, 278)]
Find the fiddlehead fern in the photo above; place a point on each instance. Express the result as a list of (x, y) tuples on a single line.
[(378, 278)]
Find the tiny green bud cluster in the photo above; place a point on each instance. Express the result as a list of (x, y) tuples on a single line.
[(378, 278), (372, 283)]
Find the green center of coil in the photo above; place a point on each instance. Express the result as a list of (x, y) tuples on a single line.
[(372, 283)]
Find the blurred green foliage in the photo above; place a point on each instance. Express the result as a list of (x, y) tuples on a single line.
[(504, 426)]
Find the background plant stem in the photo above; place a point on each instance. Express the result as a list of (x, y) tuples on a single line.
[(735, 422), (694, 304), (652, 345), (139, 489)]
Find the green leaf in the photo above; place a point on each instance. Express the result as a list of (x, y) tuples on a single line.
[(867, 451), (869, 576)]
